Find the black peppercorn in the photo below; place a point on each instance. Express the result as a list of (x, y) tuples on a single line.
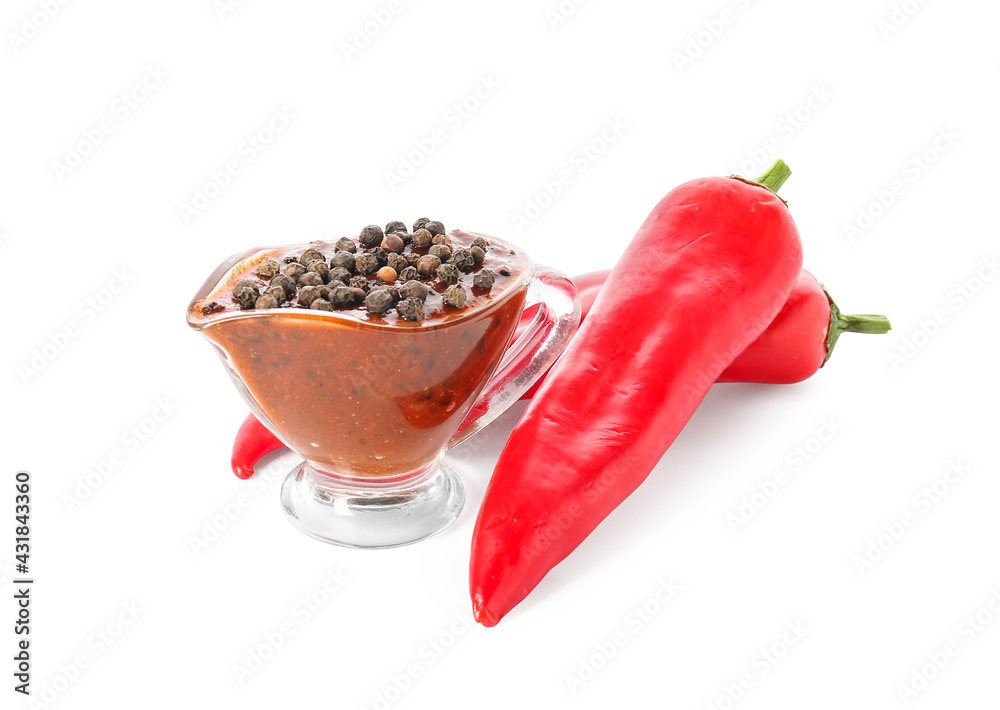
[(463, 259), (371, 235), (434, 227), (309, 294), (398, 262), (411, 309), (484, 279), (441, 239), (346, 244), (447, 273), (268, 268), (359, 282), (420, 223), (366, 263), (428, 265), (266, 301), (246, 292), (277, 293), (481, 243), (395, 226), (421, 239), (379, 301), (321, 304), (294, 270), (285, 282), (311, 278), (408, 273), (344, 259), (320, 268), (343, 296), (477, 254), (441, 251), (311, 255), (359, 294), (412, 258), (413, 289), (381, 255), (339, 274), (455, 296)]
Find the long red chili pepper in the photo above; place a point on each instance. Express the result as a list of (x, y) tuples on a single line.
[(709, 269), (797, 343)]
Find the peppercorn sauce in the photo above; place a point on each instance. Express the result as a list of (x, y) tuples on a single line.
[(360, 393)]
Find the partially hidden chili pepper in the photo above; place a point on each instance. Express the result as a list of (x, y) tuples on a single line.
[(795, 345), (708, 270), (253, 442), (801, 337)]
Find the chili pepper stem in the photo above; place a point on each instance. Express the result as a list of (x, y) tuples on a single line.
[(772, 179), (775, 176), (861, 323)]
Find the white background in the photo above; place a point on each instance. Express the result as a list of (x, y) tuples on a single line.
[(905, 404)]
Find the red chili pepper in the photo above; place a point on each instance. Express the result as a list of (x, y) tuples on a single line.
[(253, 442), (801, 337), (709, 269), (797, 343)]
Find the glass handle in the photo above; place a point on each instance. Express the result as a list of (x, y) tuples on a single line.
[(532, 354)]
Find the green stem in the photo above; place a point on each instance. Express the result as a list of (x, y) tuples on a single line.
[(862, 323), (772, 179), (775, 176)]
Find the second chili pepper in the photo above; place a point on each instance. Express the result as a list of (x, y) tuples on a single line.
[(795, 345)]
